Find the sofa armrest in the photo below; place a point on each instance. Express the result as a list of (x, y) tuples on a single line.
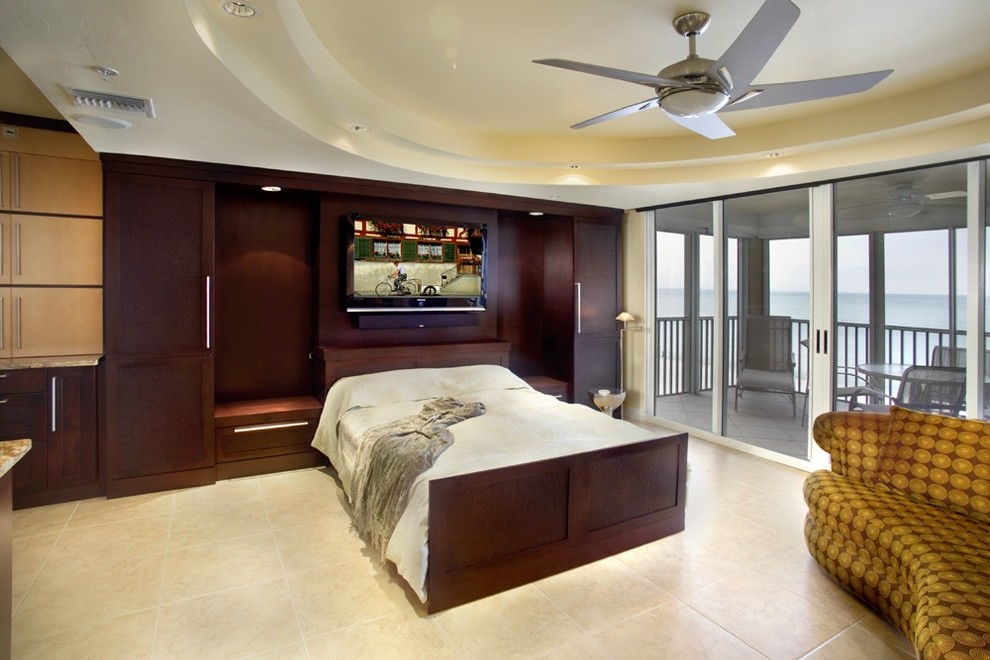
[(853, 439)]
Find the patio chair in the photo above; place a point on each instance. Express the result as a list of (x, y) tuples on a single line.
[(766, 360), (948, 356), (926, 389)]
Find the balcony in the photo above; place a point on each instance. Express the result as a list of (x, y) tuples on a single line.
[(685, 370)]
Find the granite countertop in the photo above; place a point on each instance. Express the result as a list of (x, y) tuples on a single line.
[(11, 451), (50, 361)]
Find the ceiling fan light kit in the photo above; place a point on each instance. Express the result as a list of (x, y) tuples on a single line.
[(693, 90)]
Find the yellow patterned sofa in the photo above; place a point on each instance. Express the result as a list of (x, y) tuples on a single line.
[(902, 520)]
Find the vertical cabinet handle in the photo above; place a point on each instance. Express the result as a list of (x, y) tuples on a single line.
[(17, 247), (1, 179), (54, 403), (208, 303), (577, 302), (17, 180), (3, 230), (17, 322), (3, 327)]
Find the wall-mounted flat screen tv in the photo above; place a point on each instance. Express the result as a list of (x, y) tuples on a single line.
[(403, 265)]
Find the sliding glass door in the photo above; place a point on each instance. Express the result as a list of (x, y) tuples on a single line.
[(899, 290), (767, 336), (901, 263)]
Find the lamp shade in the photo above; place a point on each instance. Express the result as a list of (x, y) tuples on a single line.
[(625, 317)]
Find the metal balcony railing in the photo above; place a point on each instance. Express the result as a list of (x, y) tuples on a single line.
[(681, 372)]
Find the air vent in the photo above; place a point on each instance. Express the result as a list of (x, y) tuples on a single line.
[(88, 99)]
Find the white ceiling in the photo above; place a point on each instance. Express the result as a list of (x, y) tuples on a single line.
[(452, 98)]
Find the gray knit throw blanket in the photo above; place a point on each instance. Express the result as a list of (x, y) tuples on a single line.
[(392, 456)]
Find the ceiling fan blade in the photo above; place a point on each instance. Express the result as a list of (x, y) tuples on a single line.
[(752, 49), (710, 126), (807, 90), (621, 112), (618, 74)]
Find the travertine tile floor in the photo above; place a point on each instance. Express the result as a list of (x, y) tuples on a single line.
[(269, 567)]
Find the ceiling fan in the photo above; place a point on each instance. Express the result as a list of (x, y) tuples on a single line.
[(694, 90)]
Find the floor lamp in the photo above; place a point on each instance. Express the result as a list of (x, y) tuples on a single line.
[(625, 317)]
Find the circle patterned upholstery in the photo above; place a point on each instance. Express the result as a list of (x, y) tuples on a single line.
[(942, 460), (918, 555)]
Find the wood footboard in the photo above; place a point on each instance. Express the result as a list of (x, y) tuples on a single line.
[(497, 529)]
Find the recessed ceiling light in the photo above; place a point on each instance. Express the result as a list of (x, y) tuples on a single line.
[(102, 122), (271, 188), (536, 213), (240, 9)]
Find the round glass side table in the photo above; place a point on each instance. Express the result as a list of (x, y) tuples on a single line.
[(607, 398)]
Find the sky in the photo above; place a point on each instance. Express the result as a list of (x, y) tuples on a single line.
[(915, 262)]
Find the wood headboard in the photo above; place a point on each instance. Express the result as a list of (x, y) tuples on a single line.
[(335, 362)]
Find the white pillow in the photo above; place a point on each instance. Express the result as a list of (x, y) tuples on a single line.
[(419, 384)]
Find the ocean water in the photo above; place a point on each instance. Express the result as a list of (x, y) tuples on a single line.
[(911, 310)]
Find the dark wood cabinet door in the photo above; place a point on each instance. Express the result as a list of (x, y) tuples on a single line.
[(596, 339), (596, 264), (72, 456), (24, 416), (158, 262), (162, 416)]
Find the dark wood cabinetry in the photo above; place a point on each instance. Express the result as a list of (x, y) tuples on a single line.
[(72, 446), (564, 291), (23, 414), (597, 257), (158, 333), (265, 413), (56, 409), (216, 294)]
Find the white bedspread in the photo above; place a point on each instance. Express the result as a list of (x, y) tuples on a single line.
[(521, 425)]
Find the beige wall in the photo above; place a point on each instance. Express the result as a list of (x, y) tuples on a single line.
[(637, 241)]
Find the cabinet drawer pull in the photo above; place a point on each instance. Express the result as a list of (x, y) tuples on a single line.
[(4, 400), (268, 427)]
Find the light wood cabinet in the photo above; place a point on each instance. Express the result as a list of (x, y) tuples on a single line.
[(37, 183), (51, 250), (47, 321)]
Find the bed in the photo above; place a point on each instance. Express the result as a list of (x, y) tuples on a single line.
[(527, 488)]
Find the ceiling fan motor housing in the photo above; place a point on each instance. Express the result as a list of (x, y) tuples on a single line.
[(691, 102)]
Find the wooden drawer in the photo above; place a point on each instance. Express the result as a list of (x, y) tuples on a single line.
[(265, 428), (264, 439), (16, 381)]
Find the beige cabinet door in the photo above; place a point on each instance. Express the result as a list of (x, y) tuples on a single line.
[(49, 184), (53, 250), (5, 181), (56, 321), (6, 322)]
